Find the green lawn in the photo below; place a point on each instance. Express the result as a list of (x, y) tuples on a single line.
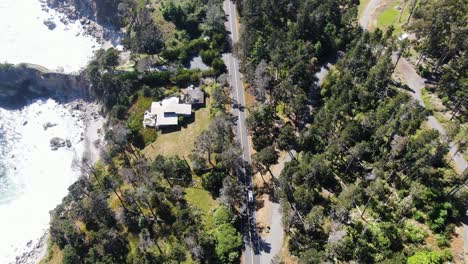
[(199, 197), (390, 16), (181, 143), (135, 119)]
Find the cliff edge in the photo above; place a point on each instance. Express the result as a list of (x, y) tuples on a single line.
[(20, 83)]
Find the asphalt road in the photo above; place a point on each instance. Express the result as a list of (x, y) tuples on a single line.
[(251, 250), (416, 83)]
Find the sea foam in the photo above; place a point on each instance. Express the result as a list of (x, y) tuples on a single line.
[(33, 178), (37, 177), (25, 38)]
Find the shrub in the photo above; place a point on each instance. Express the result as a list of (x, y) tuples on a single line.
[(196, 45), (440, 215), (419, 216), (182, 79), (171, 54), (208, 56), (218, 65), (213, 181), (223, 215), (70, 256), (219, 41), (158, 78), (228, 243), (414, 234), (119, 112), (430, 257), (442, 241), (183, 56)]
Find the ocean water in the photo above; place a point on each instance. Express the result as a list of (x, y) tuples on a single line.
[(34, 178), (25, 38)]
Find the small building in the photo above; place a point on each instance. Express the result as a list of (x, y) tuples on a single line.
[(195, 94), (166, 113)]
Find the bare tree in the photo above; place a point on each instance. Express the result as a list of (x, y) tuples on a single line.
[(232, 192), (231, 158), (262, 81)]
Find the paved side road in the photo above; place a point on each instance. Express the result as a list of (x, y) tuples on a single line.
[(366, 15), (416, 83)]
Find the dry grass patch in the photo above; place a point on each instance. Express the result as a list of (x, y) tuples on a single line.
[(457, 246), (264, 215), (54, 256), (287, 257)]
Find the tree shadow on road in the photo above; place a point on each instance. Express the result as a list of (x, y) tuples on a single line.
[(403, 86)]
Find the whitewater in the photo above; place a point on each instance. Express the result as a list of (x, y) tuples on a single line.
[(25, 38), (34, 178)]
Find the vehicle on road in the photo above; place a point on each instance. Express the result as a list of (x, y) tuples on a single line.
[(250, 196)]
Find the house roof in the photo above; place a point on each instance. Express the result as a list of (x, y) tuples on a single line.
[(167, 110), (196, 94)]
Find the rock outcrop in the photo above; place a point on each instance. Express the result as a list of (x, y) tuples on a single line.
[(50, 24), (24, 82), (103, 12), (56, 143)]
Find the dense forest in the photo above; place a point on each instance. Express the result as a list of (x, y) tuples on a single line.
[(369, 183), (367, 176), (441, 31)]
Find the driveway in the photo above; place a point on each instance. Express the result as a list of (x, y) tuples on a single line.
[(367, 14)]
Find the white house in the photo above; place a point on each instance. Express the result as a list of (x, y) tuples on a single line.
[(166, 113)]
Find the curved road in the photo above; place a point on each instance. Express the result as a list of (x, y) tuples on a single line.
[(366, 15), (417, 83)]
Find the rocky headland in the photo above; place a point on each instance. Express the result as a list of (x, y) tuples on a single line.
[(24, 82)]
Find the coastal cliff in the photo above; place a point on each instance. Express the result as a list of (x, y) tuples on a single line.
[(20, 83)]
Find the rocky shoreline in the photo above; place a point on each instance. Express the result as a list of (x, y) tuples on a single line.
[(106, 31), (24, 82), (92, 116), (36, 253)]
